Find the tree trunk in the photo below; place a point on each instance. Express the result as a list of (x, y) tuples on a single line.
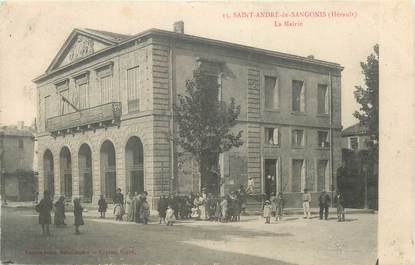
[(208, 169)]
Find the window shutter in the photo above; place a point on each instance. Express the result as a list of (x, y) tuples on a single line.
[(276, 136), (276, 94), (326, 101), (302, 98)]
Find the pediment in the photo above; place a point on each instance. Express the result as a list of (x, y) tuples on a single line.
[(79, 45)]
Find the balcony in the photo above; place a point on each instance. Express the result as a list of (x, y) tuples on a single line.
[(98, 116)]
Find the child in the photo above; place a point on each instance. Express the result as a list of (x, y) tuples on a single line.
[(170, 218), (267, 211), (118, 212), (102, 206), (77, 211)]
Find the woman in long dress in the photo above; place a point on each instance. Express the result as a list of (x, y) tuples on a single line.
[(44, 208), (77, 213), (128, 205), (132, 212), (59, 217), (202, 207)]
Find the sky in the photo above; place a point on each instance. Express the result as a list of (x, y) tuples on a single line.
[(32, 33)]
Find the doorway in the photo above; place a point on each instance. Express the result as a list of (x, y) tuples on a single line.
[(270, 177)]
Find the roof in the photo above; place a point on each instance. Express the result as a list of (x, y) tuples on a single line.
[(356, 129), (117, 37), (14, 131), (116, 40)]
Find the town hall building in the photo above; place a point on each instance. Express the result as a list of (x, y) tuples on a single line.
[(105, 113)]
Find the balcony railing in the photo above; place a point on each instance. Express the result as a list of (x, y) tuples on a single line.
[(107, 113)]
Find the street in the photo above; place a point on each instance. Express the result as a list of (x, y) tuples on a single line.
[(293, 240)]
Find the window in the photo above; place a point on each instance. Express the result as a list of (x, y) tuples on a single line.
[(48, 111), (82, 86), (133, 89), (64, 104), (323, 139), (213, 71), (213, 81), (322, 174), (298, 100), (298, 173), (104, 74), (105, 85), (353, 143), (63, 91), (20, 143), (272, 136), (322, 99), (271, 92), (298, 138)]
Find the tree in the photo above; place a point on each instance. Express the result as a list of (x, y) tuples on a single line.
[(204, 126), (368, 96)]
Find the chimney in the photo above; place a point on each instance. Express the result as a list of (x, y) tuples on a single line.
[(178, 27), (20, 125), (310, 57)]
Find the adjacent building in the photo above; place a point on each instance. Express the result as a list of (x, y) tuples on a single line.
[(355, 137), (17, 148), (358, 177), (105, 111)]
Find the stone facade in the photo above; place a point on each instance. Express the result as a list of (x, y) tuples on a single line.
[(17, 148), (164, 61)]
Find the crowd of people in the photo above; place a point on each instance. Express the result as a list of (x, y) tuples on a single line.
[(199, 206)]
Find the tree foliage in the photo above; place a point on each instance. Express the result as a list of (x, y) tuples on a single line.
[(204, 122), (368, 95)]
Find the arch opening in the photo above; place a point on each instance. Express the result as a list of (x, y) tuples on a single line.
[(48, 174), (66, 172), (108, 170), (85, 173), (134, 159)]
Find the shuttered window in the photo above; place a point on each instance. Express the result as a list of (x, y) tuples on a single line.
[(64, 105), (48, 109), (323, 139), (272, 136), (298, 96), (322, 173), (83, 91), (83, 96), (133, 89), (105, 84), (298, 138), (322, 99), (271, 92), (298, 173)]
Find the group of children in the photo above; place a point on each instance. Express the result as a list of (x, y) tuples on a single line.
[(274, 207)]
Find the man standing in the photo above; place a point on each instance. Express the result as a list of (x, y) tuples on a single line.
[(306, 204), (340, 207), (324, 201), (250, 188)]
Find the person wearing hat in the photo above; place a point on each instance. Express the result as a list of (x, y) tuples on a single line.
[(324, 201), (306, 204), (267, 211), (170, 217)]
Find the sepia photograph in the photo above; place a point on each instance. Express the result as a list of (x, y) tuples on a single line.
[(190, 132)]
